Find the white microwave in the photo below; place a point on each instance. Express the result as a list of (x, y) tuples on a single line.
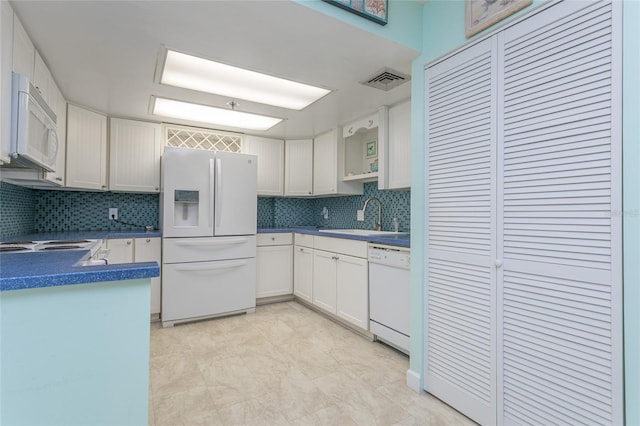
[(34, 136)]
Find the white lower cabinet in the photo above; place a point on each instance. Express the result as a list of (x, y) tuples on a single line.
[(340, 279), (324, 280), (352, 290), (120, 250), (149, 250), (303, 273), (274, 263), (130, 250)]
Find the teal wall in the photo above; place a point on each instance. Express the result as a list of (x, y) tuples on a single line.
[(404, 24), (75, 354)]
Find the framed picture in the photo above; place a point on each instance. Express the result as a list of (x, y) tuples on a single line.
[(374, 10), (481, 14), (372, 149)]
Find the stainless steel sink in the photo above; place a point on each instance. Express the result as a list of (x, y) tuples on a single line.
[(363, 232)]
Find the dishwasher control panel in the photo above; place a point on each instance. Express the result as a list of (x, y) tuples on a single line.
[(398, 257)]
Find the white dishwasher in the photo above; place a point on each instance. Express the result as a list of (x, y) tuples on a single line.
[(389, 282)]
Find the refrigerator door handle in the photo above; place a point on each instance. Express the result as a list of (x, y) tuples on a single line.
[(224, 265), (211, 186), (225, 242), (218, 195)]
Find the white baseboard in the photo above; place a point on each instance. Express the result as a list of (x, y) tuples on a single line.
[(413, 381)]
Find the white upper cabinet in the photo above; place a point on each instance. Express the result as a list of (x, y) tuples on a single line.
[(60, 106), (86, 149), (23, 50), (135, 148), (44, 83), (270, 154), (6, 66), (328, 166), (298, 167), (399, 146)]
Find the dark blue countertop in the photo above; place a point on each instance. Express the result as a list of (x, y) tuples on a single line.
[(49, 269), (402, 240)]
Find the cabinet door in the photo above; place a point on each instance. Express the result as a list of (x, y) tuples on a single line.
[(135, 149), (58, 177), (399, 146), (303, 273), (23, 50), (325, 163), (352, 290), (270, 154), (86, 149), (120, 250), (298, 167), (324, 280), (461, 295), (149, 250), (275, 271), (6, 66), (44, 83), (560, 282)]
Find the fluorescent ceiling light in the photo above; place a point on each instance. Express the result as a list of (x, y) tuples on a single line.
[(211, 115), (191, 72)]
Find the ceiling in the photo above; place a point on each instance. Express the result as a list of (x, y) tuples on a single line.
[(103, 55)]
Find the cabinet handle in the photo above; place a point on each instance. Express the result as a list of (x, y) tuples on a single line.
[(350, 130), (103, 186), (370, 123), (148, 240), (335, 257), (301, 249), (59, 179), (157, 189), (128, 243), (273, 238)]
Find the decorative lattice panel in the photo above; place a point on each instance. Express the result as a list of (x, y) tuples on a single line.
[(197, 138)]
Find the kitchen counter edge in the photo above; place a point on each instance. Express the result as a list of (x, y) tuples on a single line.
[(400, 240)]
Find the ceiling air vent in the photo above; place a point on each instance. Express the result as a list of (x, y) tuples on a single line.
[(386, 79)]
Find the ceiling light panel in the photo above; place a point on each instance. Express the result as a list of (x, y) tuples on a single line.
[(192, 72), (211, 115)]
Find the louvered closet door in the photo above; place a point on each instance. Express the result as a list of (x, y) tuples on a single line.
[(461, 327), (560, 284)]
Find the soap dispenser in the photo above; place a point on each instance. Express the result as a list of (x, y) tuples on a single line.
[(395, 225)]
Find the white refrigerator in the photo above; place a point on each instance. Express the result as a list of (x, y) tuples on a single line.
[(209, 209)]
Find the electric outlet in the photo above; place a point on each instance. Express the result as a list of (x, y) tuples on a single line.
[(360, 216), (113, 214)]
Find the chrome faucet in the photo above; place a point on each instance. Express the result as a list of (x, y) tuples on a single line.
[(378, 224)]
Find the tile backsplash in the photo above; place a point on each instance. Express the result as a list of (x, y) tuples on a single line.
[(24, 210), (276, 212), (342, 210), (89, 211), (17, 210)]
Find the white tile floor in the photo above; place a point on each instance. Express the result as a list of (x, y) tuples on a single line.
[(283, 365)]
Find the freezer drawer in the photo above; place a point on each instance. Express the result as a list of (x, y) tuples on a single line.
[(177, 250), (206, 289)]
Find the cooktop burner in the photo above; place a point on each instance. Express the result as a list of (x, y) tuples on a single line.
[(66, 242), (16, 243), (61, 247), (9, 249)]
